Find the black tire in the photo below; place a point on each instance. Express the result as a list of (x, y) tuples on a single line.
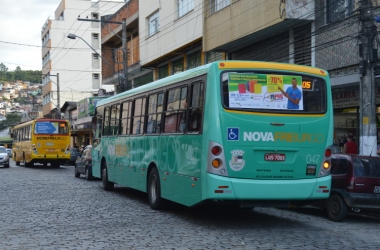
[(107, 185), (17, 163), (87, 175), (336, 208), (76, 173), (28, 164), (156, 202), (6, 165), (55, 164)]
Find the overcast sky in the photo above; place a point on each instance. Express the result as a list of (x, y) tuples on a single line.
[(21, 22)]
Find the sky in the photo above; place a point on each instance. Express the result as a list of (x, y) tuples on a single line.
[(21, 22)]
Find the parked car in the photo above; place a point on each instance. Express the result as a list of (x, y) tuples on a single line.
[(355, 185), (4, 157), (9, 151), (83, 164), (74, 153)]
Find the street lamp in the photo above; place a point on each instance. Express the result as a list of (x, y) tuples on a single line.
[(73, 36), (125, 78)]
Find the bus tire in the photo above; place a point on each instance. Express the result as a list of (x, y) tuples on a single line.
[(336, 208), (107, 185), (55, 164), (156, 202)]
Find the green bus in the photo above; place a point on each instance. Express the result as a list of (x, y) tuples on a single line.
[(243, 132)]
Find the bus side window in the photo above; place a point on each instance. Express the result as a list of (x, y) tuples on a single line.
[(196, 107), (126, 118), (106, 125), (181, 127), (138, 116)]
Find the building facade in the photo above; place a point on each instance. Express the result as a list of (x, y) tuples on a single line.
[(71, 69)]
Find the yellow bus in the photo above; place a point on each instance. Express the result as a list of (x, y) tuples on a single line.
[(41, 141)]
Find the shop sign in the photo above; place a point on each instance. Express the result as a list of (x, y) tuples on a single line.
[(350, 98)]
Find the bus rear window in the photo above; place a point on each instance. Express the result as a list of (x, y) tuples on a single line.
[(49, 127), (274, 92)]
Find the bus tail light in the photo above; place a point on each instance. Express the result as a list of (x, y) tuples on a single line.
[(216, 159), (328, 152), (67, 149), (216, 150), (216, 163), (326, 165)]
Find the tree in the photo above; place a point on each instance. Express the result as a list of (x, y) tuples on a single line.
[(3, 71), (19, 74)]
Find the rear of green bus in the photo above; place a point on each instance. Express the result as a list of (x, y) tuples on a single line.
[(269, 142)]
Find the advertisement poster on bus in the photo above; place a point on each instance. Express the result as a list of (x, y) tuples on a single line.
[(263, 91)]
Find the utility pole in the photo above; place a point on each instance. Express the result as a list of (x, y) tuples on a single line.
[(368, 32), (125, 51), (58, 98)]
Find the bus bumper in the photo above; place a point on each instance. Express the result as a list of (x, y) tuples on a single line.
[(224, 188)]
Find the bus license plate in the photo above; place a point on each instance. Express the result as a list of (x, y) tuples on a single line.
[(274, 157), (377, 189)]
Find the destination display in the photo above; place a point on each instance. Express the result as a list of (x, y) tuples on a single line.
[(264, 91), (46, 128)]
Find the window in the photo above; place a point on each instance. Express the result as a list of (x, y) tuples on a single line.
[(96, 76), (196, 108), (176, 106), (115, 119), (163, 71), (106, 124), (138, 116), (153, 23), (338, 9), (194, 59), (95, 16), (126, 118), (184, 6), (178, 66), (339, 166), (96, 56), (155, 103), (216, 5), (95, 36)]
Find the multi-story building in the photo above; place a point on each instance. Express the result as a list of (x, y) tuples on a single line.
[(72, 64), (123, 70), (171, 36)]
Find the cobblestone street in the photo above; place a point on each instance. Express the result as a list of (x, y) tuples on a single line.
[(46, 208)]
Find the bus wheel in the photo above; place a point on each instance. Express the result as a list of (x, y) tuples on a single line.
[(154, 190), (107, 185), (336, 208)]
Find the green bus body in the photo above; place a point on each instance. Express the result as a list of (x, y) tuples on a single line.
[(262, 156)]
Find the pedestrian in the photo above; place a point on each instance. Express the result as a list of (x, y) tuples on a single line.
[(350, 147), (335, 147)]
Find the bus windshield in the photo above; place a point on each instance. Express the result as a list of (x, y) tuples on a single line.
[(51, 127), (274, 92)]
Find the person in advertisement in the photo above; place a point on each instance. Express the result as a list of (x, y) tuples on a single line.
[(293, 94)]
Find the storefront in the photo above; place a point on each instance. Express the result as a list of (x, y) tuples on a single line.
[(346, 104)]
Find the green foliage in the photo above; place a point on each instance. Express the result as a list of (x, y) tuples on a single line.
[(33, 76)]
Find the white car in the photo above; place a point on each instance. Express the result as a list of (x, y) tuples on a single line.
[(4, 157)]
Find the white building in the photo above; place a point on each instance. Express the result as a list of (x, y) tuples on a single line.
[(72, 64)]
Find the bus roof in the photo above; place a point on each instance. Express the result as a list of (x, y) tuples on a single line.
[(38, 119), (201, 70)]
